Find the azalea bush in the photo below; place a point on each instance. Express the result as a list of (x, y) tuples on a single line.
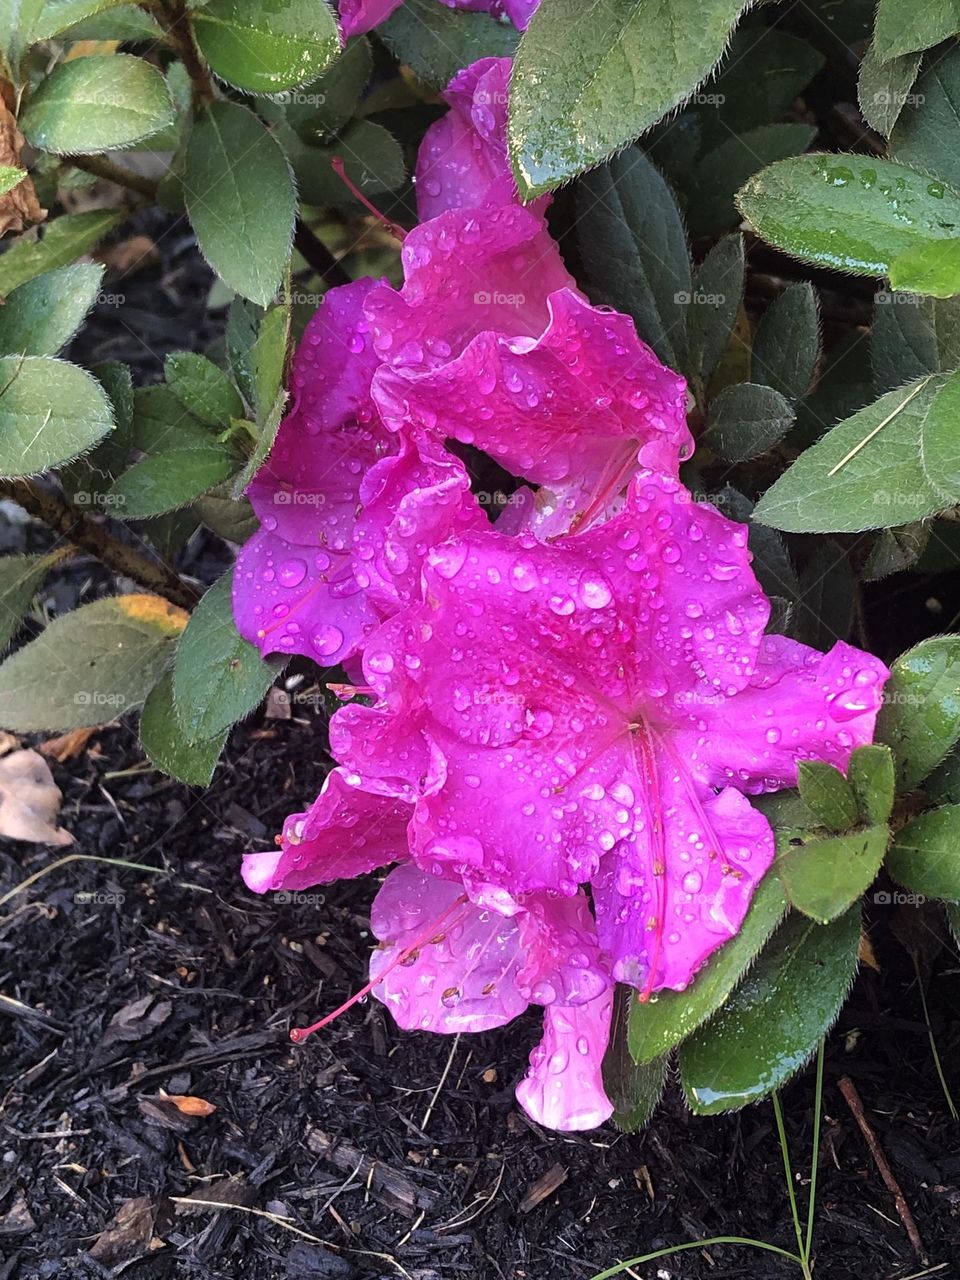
[(560, 448)]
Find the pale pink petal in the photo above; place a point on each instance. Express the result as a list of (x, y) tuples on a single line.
[(563, 1088)]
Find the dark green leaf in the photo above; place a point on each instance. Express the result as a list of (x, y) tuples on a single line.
[(927, 135), (634, 248), (326, 104), (871, 774), (912, 336), (745, 420), (63, 240), (717, 291), (160, 420), (925, 855), (942, 786), (843, 387), (163, 739), (827, 591), (920, 716), (883, 88), (218, 677), (90, 665), (851, 212), (867, 473), (655, 1027), (171, 479), (825, 875), (269, 46), (722, 172), (827, 794), (240, 198), (243, 325), (97, 103), (634, 1089), (50, 412), (437, 43), (786, 346), (580, 90), (903, 27), (896, 550), (773, 1022), (42, 315), (372, 159), (20, 579), (230, 518), (203, 389)]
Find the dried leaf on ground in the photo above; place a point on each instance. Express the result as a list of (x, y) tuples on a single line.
[(67, 745), (30, 800), (128, 1234), (19, 208)]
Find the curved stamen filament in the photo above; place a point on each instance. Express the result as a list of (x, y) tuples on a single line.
[(607, 488), (394, 228)]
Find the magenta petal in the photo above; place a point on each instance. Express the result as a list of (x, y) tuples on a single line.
[(799, 705), (466, 272), (358, 16), (462, 975), (664, 904), (573, 408), (563, 1088), (346, 832)]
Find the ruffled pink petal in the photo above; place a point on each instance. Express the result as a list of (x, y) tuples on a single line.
[(358, 16), (665, 902), (462, 162), (799, 705), (563, 1088), (466, 272), (411, 502), (346, 832), (573, 409)]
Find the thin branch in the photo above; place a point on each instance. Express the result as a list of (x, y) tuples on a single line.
[(101, 167), (181, 33), (318, 256)]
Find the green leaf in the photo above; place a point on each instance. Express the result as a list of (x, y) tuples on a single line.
[(927, 135), (932, 268), (50, 412), (58, 15), (268, 362), (218, 677), (164, 741), (633, 1088), (871, 774), (436, 43), (896, 550), (942, 786), (124, 22), (786, 346), (722, 172), (867, 473), (243, 325), (10, 177), (773, 1022), (90, 665), (63, 240), (171, 479), (825, 875), (746, 420), (634, 248), (269, 46), (952, 912), (240, 199), (717, 291), (228, 517), (825, 605), (771, 561), (827, 794), (851, 212), (160, 420), (655, 1027), (372, 160), (42, 315), (912, 336), (904, 27), (925, 855), (920, 716), (326, 104), (580, 90), (97, 103), (884, 87), (20, 579), (202, 388)]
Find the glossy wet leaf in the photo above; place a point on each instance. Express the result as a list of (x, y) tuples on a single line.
[(326, 104), (883, 88), (661, 1023), (851, 212), (202, 388), (774, 1020), (866, 473), (240, 199), (925, 855), (903, 27), (163, 739), (218, 677), (97, 103), (436, 42), (633, 1088), (265, 46), (786, 345), (872, 776), (745, 420), (824, 875), (50, 412), (20, 579), (41, 316), (932, 269), (721, 173), (90, 665), (634, 247), (920, 715), (580, 90), (827, 794), (64, 239)]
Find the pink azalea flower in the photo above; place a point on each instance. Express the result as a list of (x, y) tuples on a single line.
[(566, 713), (358, 16)]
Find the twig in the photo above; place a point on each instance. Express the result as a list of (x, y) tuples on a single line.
[(101, 167), (318, 256), (181, 33), (443, 1080), (852, 1099), (84, 532)]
